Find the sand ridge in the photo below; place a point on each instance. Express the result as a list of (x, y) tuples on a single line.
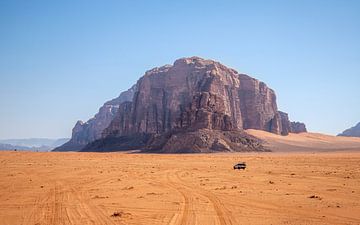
[(306, 142)]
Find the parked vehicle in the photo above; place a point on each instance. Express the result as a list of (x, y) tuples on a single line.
[(240, 166)]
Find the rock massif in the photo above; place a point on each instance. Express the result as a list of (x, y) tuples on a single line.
[(194, 105), (352, 132)]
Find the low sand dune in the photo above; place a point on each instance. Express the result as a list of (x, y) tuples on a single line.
[(307, 142), (117, 188)]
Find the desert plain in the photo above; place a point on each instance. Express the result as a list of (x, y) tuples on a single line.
[(310, 187)]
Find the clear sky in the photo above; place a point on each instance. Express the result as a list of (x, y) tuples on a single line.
[(61, 60)]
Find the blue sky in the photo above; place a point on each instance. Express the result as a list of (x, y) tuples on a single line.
[(61, 60)]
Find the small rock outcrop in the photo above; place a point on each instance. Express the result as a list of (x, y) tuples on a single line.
[(288, 126), (297, 127), (194, 105), (352, 132), (84, 133)]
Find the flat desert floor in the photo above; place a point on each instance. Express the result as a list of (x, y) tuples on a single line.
[(118, 188)]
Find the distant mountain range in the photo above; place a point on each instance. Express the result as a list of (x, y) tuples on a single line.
[(351, 132), (32, 144)]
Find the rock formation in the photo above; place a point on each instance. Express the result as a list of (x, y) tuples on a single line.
[(84, 133), (195, 105), (194, 94), (290, 127), (297, 127), (352, 132)]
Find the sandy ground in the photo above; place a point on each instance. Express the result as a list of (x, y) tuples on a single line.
[(88, 188), (307, 142)]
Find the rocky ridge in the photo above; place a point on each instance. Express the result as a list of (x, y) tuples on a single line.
[(85, 132), (352, 132)]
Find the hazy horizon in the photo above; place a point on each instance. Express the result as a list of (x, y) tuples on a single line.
[(60, 61)]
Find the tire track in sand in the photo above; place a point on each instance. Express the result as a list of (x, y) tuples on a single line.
[(48, 208), (186, 216), (68, 205), (191, 203)]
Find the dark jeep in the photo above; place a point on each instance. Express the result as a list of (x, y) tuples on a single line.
[(240, 166)]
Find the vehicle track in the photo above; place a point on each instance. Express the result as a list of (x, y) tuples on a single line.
[(186, 216), (68, 205), (223, 213), (197, 203)]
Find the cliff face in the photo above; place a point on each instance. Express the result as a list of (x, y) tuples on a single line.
[(352, 132), (84, 133), (195, 105), (284, 123), (196, 94), (286, 126)]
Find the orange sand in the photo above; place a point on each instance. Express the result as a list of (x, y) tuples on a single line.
[(87, 188)]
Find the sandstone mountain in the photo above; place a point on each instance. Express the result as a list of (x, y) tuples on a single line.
[(352, 132), (84, 133), (194, 105)]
